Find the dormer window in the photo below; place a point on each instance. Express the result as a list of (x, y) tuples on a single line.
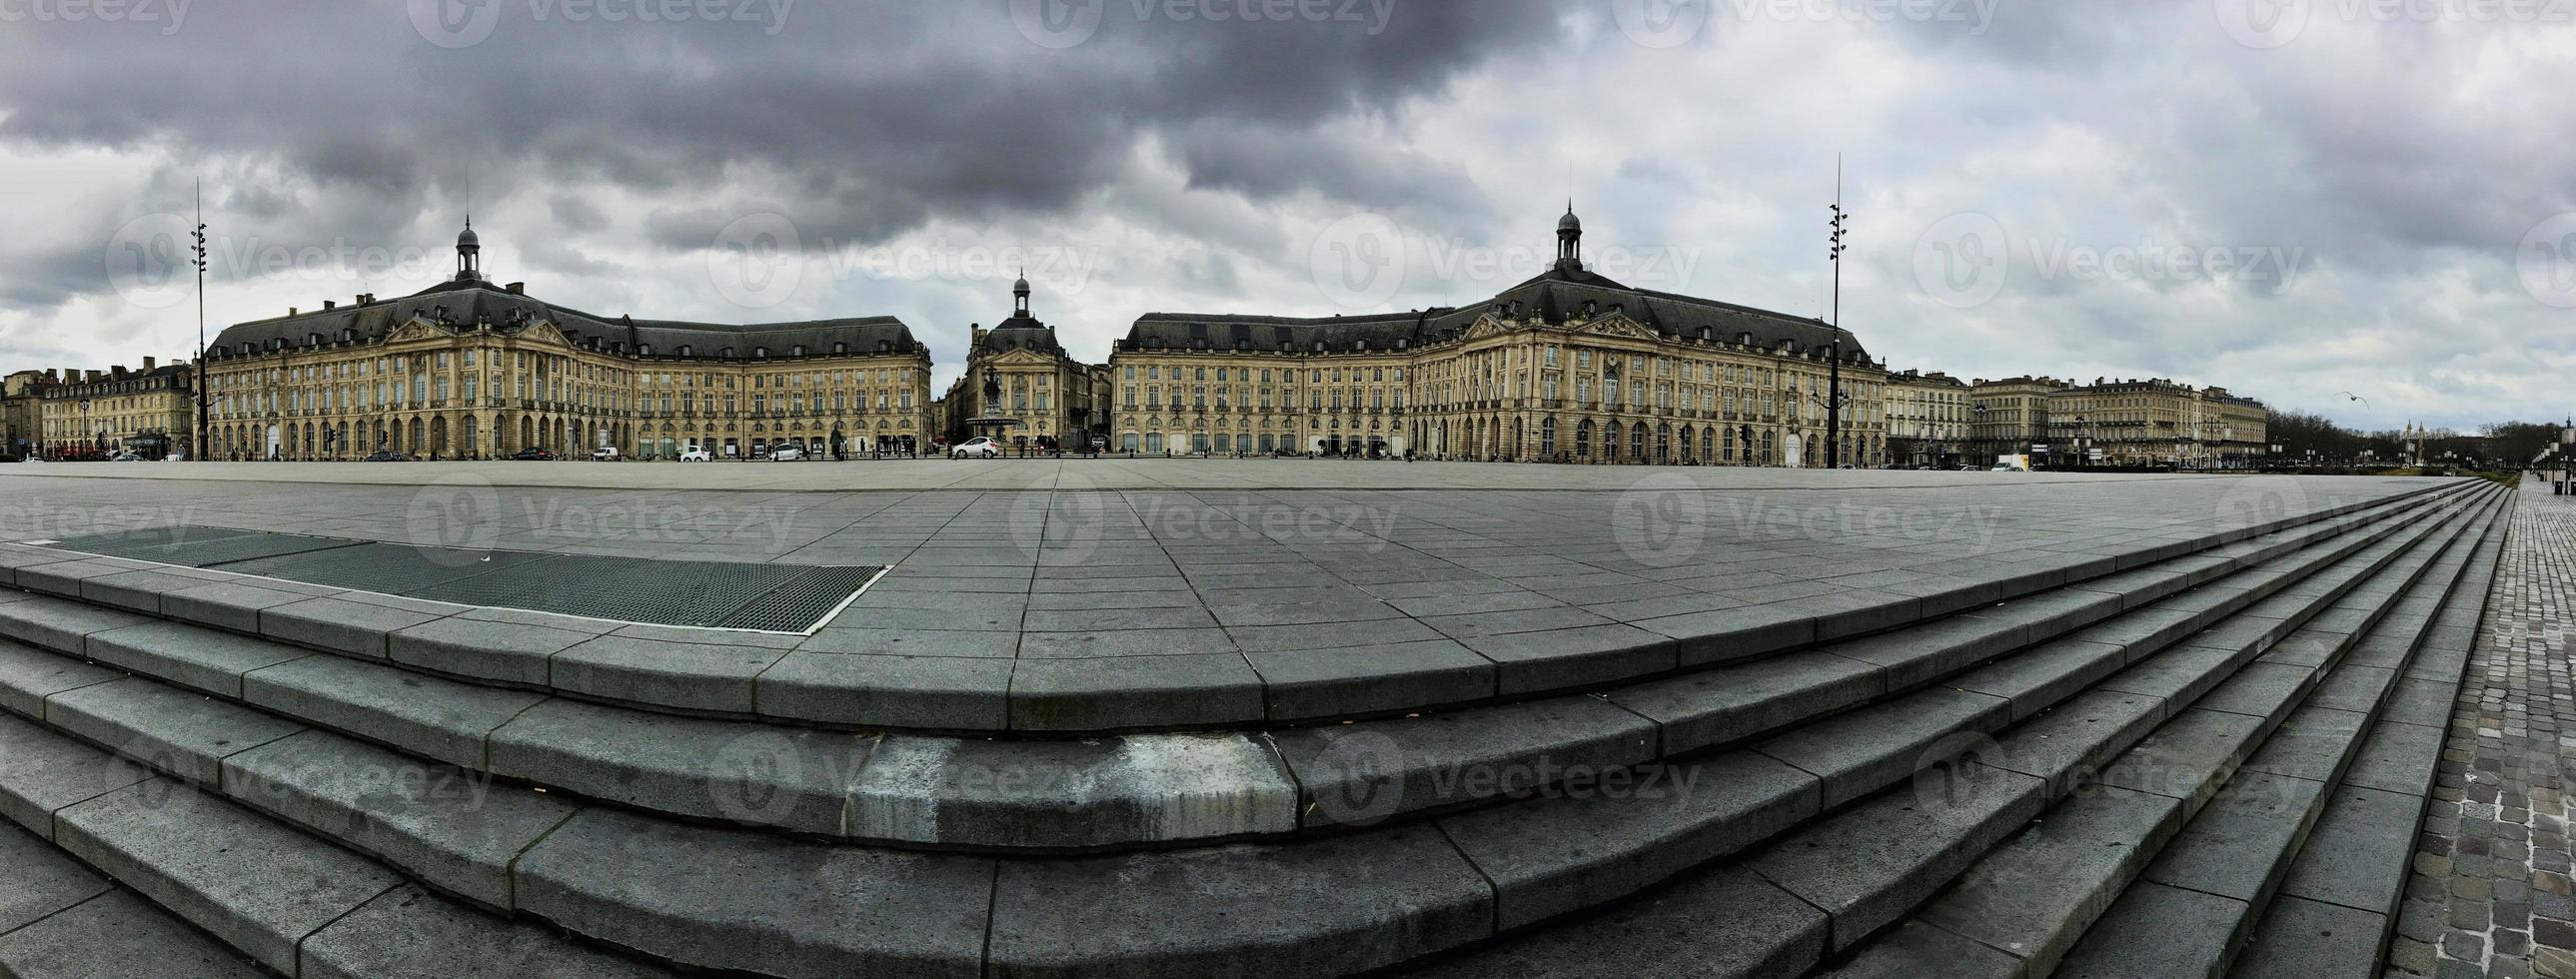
[(760, 353), (645, 350), (684, 350), (796, 351), (840, 348)]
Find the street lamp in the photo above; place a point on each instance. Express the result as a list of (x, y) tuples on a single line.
[(198, 451), (1835, 399)]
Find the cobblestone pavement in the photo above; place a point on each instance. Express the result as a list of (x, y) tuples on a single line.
[(2491, 892)]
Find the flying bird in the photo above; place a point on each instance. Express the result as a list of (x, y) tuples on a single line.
[(2365, 402)]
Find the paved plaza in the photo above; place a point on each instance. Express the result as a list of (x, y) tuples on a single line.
[(2491, 893)]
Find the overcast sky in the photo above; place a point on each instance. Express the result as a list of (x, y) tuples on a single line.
[(2288, 198)]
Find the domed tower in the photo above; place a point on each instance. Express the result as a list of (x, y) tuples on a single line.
[(1020, 297), (1569, 240), (469, 252)]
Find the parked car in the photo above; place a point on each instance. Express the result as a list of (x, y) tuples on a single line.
[(534, 455), (605, 453), (786, 454), (979, 447), (126, 457), (695, 455), (388, 455)]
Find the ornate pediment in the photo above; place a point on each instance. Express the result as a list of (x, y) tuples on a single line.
[(543, 331), (417, 328), (1021, 357), (1617, 325)]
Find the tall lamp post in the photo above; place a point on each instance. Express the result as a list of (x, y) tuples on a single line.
[(1834, 371), (198, 451)]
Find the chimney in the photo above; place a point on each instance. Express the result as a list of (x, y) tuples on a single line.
[(516, 288), (329, 304), (93, 376), (362, 300), (149, 363), (290, 310), (117, 372)]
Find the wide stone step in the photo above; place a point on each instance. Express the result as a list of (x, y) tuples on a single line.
[(1093, 793), (868, 672), (1830, 883), (2017, 911), (672, 890), (2210, 888), (271, 893), (2334, 912)]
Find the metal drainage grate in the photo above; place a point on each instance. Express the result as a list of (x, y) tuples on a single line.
[(394, 569), (198, 547), (801, 604), (701, 594), (690, 593)]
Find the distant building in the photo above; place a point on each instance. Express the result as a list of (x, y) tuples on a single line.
[(2135, 422), (1021, 387), (1567, 366), (1928, 419), (150, 412), (22, 412), (467, 368)]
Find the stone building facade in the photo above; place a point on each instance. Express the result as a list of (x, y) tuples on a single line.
[(2149, 422), (22, 412), (1928, 419), (2154, 422), (1567, 366), (1021, 387), (467, 369), (150, 412)]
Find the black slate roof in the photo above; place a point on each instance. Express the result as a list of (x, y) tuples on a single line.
[(469, 301), (1554, 295)]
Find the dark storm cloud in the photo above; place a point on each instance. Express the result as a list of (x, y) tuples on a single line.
[(871, 118)]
